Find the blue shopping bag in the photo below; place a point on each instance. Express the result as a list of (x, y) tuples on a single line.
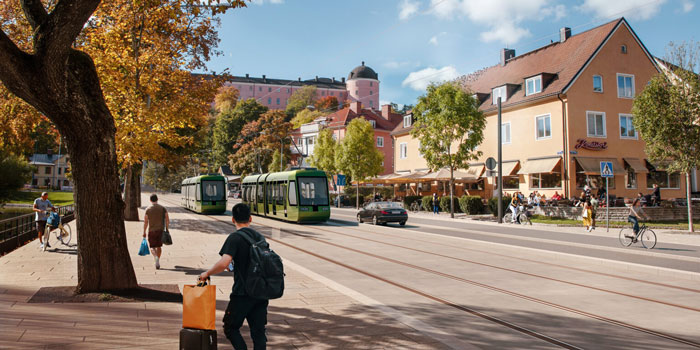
[(144, 248)]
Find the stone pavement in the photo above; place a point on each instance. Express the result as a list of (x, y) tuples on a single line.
[(313, 313)]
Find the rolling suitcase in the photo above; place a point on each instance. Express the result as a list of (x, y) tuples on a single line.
[(197, 339)]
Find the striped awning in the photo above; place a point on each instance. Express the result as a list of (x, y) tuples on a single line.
[(509, 167), (636, 164), (591, 166), (537, 166)]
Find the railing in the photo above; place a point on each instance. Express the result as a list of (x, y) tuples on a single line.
[(18, 231)]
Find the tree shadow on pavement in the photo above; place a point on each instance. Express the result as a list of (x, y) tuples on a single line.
[(197, 226)]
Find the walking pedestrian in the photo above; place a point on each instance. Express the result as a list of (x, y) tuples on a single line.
[(594, 211), (41, 205), (436, 203), (154, 222), (241, 306), (656, 196), (586, 215)]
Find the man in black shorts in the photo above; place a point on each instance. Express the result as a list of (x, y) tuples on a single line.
[(241, 306)]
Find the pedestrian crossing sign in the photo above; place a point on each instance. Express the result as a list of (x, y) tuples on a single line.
[(606, 169)]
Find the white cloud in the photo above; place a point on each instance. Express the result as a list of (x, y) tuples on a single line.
[(502, 18), (688, 6), (407, 8), (434, 39), (420, 80), (384, 102), (618, 8)]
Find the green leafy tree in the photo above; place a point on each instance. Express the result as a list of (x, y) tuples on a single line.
[(356, 155), (275, 162), (300, 99), (324, 154), (306, 116), (15, 171), (449, 125), (228, 126), (403, 110), (667, 114)]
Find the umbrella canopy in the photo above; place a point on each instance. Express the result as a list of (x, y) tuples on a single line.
[(444, 175), (409, 178)]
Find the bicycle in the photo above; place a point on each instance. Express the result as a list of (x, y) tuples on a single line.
[(523, 217), (63, 232), (415, 206), (645, 235)]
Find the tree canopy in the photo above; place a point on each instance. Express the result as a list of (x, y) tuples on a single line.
[(327, 104), (356, 155), (300, 99), (306, 116), (449, 126), (324, 154), (257, 142), (228, 126)]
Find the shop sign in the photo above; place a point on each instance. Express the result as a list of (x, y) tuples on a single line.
[(591, 145)]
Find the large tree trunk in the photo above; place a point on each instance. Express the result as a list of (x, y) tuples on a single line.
[(132, 192), (690, 202)]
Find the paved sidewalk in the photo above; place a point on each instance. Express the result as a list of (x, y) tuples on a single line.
[(311, 315)]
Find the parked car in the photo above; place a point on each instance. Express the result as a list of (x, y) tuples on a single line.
[(382, 213)]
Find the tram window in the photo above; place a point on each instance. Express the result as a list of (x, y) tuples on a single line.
[(292, 193), (260, 192), (213, 190), (280, 194), (198, 195), (313, 191), (244, 195)]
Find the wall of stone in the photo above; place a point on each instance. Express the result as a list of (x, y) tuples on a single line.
[(620, 214)]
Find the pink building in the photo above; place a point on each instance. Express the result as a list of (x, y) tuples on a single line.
[(362, 85)]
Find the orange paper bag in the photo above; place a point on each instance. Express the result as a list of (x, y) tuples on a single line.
[(199, 306)]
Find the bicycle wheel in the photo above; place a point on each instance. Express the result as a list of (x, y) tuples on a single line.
[(508, 218), (648, 239), (64, 234), (624, 240)]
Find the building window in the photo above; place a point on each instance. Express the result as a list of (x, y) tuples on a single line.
[(310, 141), (544, 127), (332, 93), (260, 88), (499, 92), (545, 180), (630, 178), (663, 179), (269, 100), (278, 89), (370, 83), (627, 130), (269, 89), (47, 170), (278, 100), (623, 49), (596, 124), (380, 141), (403, 147), (509, 183), (625, 86), (371, 103), (356, 93), (289, 90), (323, 93), (251, 88), (407, 121), (371, 92), (533, 85), (505, 133), (597, 83), (59, 171), (374, 123)]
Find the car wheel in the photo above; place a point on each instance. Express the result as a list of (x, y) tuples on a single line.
[(374, 220), (402, 223), (359, 219)]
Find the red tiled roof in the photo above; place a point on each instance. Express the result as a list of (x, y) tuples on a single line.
[(344, 116), (564, 60)]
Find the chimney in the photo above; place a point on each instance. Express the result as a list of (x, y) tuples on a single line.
[(247, 75), (356, 106), (386, 112), (363, 63), (317, 78), (343, 80), (506, 54), (299, 78), (264, 79), (334, 79), (564, 34)]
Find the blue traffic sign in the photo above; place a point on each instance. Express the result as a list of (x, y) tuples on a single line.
[(606, 169), (341, 180)]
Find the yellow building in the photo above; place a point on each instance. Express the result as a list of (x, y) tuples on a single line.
[(565, 108)]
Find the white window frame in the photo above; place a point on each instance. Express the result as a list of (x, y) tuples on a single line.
[(605, 127), (380, 141), (403, 150), (502, 92), (543, 116), (534, 81), (373, 123), (601, 83), (507, 141), (625, 137), (407, 121), (617, 82)]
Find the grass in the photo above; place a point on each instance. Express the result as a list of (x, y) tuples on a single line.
[(600, 222), (7, 213), (28, 197)]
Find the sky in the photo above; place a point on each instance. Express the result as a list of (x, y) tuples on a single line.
[(411, 43)]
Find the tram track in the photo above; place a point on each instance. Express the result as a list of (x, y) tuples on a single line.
[(449, 303)]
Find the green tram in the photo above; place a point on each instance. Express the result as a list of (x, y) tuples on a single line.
[(204, 194), (295, 195)]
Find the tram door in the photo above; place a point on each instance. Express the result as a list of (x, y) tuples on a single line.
[(273, 202), (283, 196)]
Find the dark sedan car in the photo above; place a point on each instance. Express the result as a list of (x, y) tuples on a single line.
[(382, 213)]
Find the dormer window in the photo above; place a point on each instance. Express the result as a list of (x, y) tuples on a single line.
[(499, 92), (533, 85), (407, 121), (374, 124)]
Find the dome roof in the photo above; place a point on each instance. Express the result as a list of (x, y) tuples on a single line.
[(363, 72)]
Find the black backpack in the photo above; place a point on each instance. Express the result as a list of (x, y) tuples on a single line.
[(265, 279)]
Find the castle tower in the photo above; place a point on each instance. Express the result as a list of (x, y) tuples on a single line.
[(363, 86)]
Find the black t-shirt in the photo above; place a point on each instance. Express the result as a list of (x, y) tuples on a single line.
[(237, 247)]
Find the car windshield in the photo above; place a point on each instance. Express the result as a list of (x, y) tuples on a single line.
[(313, 191), (212, 190), (389, 205)]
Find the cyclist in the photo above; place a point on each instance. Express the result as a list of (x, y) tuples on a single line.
[(514, 205), (41, 206), (633, 216)]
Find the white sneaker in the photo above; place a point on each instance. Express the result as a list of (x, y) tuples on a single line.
[(157, 264), (41, 245)]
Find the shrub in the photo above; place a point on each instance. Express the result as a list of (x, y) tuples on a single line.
[(409, 199), (493, 205), (445, 204), (427, 202), (350, 200), (471, 205), (15, 171)]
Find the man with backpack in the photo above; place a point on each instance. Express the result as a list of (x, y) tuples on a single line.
[(257, 277)]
